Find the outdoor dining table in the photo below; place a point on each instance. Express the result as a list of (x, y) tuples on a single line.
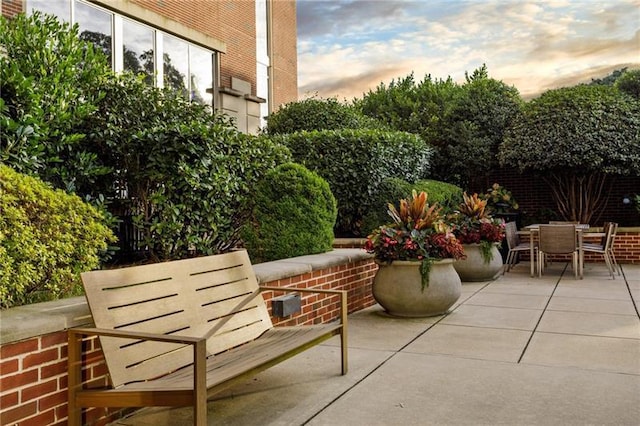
[(533, 232)]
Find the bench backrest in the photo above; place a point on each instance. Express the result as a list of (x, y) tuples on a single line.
[(214, 296)]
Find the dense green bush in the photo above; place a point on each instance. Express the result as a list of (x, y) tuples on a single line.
[(188, 173), (47, 237), (294, 215), (317, 114), (355, 162), (391, 190), (48, 86)]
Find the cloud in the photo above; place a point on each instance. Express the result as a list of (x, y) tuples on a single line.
[(351, 47)]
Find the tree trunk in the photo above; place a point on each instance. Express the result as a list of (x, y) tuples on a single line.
[(580, 198)]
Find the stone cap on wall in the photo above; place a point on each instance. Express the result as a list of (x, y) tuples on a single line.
[(24, 322)]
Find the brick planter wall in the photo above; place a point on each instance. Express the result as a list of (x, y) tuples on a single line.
[(33, 371)]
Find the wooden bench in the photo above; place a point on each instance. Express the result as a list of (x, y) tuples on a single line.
[(175, 333)]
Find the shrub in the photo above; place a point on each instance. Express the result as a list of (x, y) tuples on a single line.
[(188, 173), (448, 196), (48, 86), (316, 114), (294, 215), (47, 237), (355, 162)]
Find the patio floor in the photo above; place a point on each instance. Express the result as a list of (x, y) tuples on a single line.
[(514, 351)]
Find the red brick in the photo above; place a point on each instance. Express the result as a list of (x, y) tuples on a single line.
[(53, 400), (17, 380), (36, 391), (8, 367), (40, 358), (9, 400), (53, 339), (45, 418), (51, 370), (18, 348), (15, 414)]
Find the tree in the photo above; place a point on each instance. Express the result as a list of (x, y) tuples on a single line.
[(578, 139), (629, 83), (474, 129)]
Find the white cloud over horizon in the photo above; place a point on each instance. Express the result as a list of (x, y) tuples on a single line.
[(347, 47)]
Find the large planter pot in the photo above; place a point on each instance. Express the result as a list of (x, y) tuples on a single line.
[(475, 267), (397, 287)]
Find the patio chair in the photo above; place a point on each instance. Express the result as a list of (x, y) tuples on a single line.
[(515, 245), (605, 247), (557, 239)]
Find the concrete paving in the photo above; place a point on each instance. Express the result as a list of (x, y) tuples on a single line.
[(514, 351)]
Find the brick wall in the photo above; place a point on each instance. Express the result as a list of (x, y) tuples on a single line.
[(533, 195), (284, 58), (11, 7), (33, 372)]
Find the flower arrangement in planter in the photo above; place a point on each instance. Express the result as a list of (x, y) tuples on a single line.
[(474, 225), (500, 200), (418, 233)]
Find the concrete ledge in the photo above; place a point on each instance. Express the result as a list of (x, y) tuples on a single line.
[(24, 322)]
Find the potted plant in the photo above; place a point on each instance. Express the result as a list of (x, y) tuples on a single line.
[(480, 235), (415, 253), (500, 200)]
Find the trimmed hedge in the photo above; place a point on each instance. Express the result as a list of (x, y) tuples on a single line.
[(317, 114), (47, 237), (294, 215), (355, 162), (391, 190)]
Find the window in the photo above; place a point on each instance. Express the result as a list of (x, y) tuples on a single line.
[(95, 26), (61, 9), (176, 64), (137, 49), (133, 46), (200, 66)]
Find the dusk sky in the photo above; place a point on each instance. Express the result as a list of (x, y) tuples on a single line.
[(346, 47)]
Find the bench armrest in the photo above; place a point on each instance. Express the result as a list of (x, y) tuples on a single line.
[(126, 334)]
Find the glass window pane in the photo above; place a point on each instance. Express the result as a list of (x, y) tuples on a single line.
[(176, 64), (95, 26), (201, 78), (138, 49), (60, 8)]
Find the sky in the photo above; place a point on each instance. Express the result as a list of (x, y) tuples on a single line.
[(348, 47)]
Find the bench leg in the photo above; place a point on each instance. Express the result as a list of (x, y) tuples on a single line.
[(74, 368), (200, 384), (343, 333)]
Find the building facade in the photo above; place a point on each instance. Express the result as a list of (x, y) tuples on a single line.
[(239, 56)]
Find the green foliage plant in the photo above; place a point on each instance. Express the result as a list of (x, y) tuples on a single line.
[(500, 199), (293, 215), (577, 139), (47, 237), (48, 81), (355, 162), (629, 83), (447, 196), (316, 114), (188, 173)]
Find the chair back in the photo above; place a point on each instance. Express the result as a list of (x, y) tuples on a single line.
[(557, 239), (511, 234), (610, 229)]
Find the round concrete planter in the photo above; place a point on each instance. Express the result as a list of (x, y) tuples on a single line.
[(397, 287), (475, 267)]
